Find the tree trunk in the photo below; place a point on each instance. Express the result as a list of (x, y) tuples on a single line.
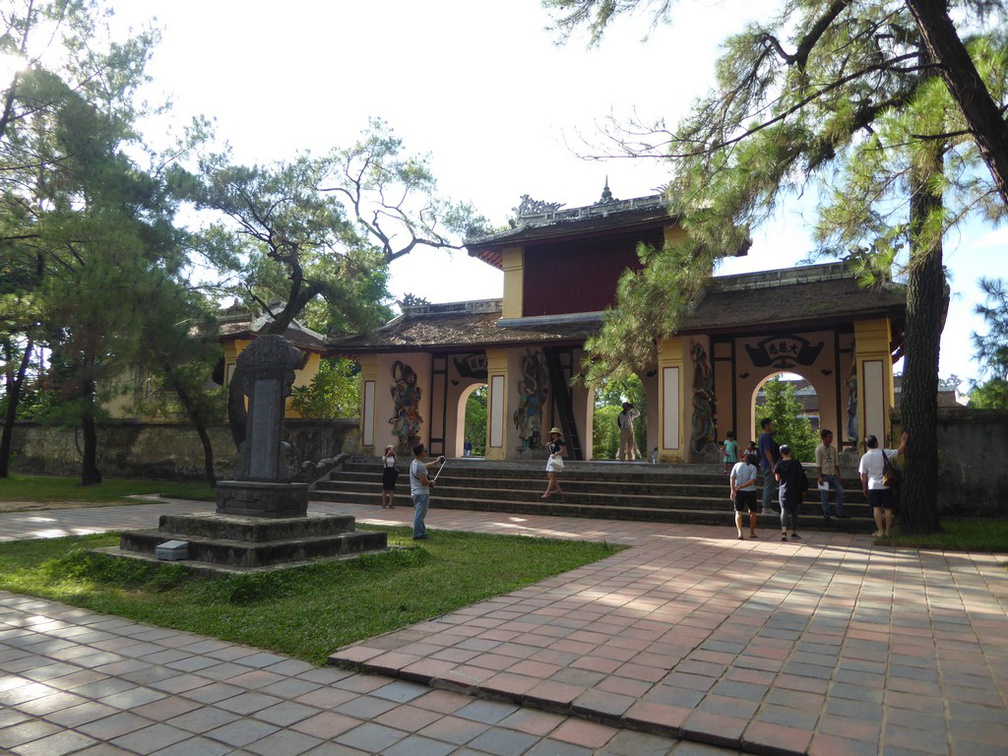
[(986, 123), (192, 410), (14, 386), (208, 461), (237, 414), (90, 474), (919, 402)]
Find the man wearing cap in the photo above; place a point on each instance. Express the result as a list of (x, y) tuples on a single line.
[(420, 486)]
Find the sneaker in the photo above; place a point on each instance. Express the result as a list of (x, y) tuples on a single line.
[(795, 536), (420, 538), (783, 536)]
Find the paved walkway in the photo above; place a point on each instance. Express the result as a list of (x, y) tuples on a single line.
[(830, 645)]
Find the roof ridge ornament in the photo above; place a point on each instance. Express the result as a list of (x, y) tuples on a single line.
[(607, 196), (529, 206)]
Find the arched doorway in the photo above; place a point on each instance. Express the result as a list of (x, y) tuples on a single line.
[(471, 423), (792, 402), (607, 405)]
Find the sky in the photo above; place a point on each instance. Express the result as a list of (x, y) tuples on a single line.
[(500, 107)]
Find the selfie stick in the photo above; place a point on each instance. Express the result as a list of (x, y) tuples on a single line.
[(439, 470)]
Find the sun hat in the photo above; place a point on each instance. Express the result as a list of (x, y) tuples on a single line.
[(556, 430)]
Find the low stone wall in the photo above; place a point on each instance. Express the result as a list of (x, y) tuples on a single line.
[(169, 451), (972, 460), (972, 453)]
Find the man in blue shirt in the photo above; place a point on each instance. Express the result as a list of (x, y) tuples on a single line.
[(769, 456)]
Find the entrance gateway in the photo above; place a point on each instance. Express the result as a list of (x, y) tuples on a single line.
[(560, 273)]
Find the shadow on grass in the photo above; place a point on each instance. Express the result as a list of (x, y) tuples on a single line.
[(306, 612)]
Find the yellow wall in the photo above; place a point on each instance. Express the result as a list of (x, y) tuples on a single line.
[(514, 286), (369, 403), (873, 359), (498, 403), (302, 377), (673, 367)]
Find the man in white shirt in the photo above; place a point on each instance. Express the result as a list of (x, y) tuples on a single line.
[(420, 486), (880, 496)]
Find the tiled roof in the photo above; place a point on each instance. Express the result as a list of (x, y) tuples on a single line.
[(806, 295), (248, 326), (462, 325), (617, 215)]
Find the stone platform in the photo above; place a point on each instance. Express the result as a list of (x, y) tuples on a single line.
[(236, 541)]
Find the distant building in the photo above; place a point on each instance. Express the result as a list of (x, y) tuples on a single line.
[(948, 396)]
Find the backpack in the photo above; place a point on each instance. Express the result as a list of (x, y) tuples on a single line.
[(891, 476)]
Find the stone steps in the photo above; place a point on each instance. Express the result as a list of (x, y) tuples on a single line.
[(692, 494), (237, 541)]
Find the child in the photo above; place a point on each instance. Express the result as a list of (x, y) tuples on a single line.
[(730, 450), (743, 492)]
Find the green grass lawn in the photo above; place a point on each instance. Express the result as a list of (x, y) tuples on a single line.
[(306, 612), (987, 535), (46, 488)]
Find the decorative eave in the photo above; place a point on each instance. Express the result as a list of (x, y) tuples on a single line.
[(615, 216)]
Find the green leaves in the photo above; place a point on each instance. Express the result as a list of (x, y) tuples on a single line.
[(790, 426)]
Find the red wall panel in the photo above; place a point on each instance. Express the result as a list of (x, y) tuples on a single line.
[(578, 276)]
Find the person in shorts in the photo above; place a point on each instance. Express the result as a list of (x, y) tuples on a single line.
[(729, 451), (743, 492), (880, 496), (554, 463)]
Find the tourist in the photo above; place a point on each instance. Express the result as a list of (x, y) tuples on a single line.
[(769, 456), (628, 446), (880, 496), (420, 486), (554, 463), (389, 475), (743, 492), (793, 483), (827, 459), (467, 448), (730, 451)]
